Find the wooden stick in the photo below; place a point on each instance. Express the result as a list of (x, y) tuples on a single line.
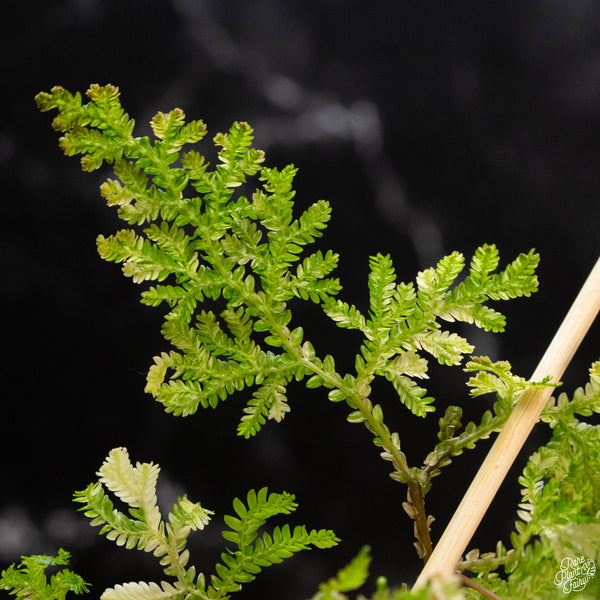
[(525, 414)]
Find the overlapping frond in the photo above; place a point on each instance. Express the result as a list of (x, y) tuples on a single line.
[(488, 378)]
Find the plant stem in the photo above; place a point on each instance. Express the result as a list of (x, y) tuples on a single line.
[(478, 587), (415, 497), (483, 488), (415, 491)]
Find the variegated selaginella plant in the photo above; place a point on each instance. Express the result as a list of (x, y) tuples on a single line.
[(229, 269)]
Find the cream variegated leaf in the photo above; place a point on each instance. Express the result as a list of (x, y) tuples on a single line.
[(134, 485), (409, 363), (448, 348), (142, 591)]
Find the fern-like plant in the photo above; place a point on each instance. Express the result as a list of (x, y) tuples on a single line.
[(146, 530), (229, 266), (28, 579)]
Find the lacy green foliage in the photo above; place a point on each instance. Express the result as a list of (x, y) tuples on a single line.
[(28, 580), (146, 530), (228, 266), (254, 552), (212, 245), (489, 377), (404, 320), (249, 253), (559, 515)]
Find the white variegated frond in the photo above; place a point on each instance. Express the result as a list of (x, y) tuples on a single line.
[(141, 591), (146, 478), (134, 485)]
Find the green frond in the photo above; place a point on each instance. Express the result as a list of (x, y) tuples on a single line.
[(29, 581), (311, 281), (448, 348), (184, 397), (433, 283), (404, 321), (482, 316), (312, 222), (274, 208), (269, 401), (172, 130), (98, 507), (144, 529), (518, 279), (485, 261), (345, 315), (496, 377), (237, 156), (256, 552), (349, 578), (411, 395), (134, 485), (408, 363), (382, 285), (188, 514), (585, 402), (142, 259), (70, 113), (404, 302), (490, 377)]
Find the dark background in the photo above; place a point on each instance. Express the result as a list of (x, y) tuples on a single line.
[(430, 126)]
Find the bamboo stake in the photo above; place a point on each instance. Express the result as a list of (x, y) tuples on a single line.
[(526, 412)]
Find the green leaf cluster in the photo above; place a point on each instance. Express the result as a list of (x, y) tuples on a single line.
[(211, 245), (254, 551), (488, 377), (559, 514), (143, 528), (28, 579), (220, 246), (250, 254), (404, 320)]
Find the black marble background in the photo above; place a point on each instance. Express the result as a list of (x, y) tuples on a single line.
[(430, 126)]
